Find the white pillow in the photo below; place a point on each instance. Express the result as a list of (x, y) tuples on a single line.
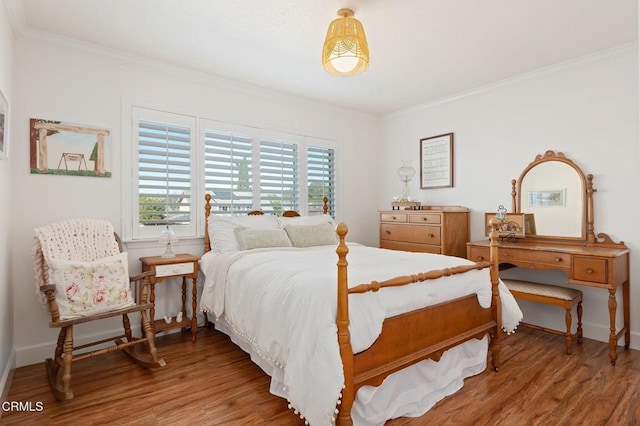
[(222, 232), (306, 220), (252, 238), (85, 288), (311, 235)]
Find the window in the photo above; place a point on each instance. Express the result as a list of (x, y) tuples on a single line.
[(243, 168), (320, 178), (228, 171), (279, 177), (165, 176)]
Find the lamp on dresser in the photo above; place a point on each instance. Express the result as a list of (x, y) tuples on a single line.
[(406, 172)]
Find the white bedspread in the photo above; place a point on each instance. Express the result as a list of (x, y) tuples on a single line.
[(284, 302)]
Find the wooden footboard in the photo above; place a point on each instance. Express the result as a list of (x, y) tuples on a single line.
[(412, 337)]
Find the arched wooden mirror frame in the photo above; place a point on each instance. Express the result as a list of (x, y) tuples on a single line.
[(588, 236)]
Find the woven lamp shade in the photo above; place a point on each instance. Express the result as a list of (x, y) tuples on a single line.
[(345, 50)]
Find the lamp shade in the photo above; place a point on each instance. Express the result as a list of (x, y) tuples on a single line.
[(345, 50)]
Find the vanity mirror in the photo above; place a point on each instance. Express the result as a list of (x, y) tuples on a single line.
[(554, 189), (560, 197)]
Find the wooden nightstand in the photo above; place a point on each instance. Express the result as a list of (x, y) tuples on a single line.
[(185, 266)]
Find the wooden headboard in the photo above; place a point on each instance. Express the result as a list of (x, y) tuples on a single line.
[(207, 213)]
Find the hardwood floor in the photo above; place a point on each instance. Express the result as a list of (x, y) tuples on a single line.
[(213, 382)]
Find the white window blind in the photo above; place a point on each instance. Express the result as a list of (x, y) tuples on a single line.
[(279, 177), (228, 172), (320, 179), (165, 177), (175, 159)]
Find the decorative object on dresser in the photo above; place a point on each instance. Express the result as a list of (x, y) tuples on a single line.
[(565, 239), (432, 229), (512, 225), (180, 266), (405, 173), (82, 275), (436, 161)]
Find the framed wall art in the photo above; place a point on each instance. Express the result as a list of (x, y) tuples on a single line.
[(62, 148), (436, 161), (4, 128)]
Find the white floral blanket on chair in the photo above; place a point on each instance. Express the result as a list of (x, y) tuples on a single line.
[(82, 258)]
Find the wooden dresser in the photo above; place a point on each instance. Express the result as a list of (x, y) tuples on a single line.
[(432, 229)]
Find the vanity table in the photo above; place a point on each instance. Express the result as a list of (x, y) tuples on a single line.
[(560, 197)]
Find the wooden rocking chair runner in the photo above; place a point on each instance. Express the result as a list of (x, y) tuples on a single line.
[(89, 248)]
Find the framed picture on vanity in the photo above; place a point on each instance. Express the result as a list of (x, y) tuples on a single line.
[(511, 226), (436, 161), (4, 127)]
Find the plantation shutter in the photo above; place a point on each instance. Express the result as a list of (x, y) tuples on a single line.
[(320, 179), (164, 174), (228, 172), (279, 177)]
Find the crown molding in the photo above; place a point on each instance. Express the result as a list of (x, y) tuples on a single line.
[(518, 78)]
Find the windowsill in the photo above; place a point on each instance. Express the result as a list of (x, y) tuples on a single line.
[(183, 242)]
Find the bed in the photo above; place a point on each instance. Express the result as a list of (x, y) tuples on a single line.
[(392, 345)]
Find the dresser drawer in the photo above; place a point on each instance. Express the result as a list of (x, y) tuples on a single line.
[(557, 260), (410, 233), (430, 218), (393, 217), (478, 254), (420, 248), (591, 269)]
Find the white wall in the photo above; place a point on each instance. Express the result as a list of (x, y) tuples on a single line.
[(59, 82), (587, 109), (6, 284)]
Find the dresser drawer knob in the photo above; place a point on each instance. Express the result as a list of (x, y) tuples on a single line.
[(387, 232), (589, 271), (430, 235), (558, 259)]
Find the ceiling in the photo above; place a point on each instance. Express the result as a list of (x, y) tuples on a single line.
[(421, 50)]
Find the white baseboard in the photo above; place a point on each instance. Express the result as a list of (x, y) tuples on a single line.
[(601, 333), (7, 375), (36, 354)]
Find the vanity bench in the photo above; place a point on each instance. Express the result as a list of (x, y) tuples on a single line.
[(551, 295)]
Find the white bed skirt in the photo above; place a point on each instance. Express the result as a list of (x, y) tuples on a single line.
[(410, 392)]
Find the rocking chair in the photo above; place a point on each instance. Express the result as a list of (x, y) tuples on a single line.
[(82, 276)]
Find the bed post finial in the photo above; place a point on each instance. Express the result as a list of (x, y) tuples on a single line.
[(342, 321), (325, 205)]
